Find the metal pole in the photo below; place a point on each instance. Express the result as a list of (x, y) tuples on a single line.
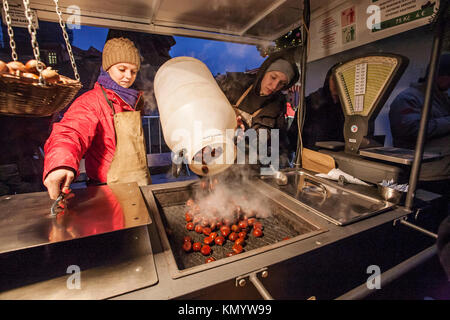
[(259, 286), (413, 226), (421, 137), (149, 136), (300, 109), (392, 274)]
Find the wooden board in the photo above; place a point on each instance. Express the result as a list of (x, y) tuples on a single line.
[(316, 161)]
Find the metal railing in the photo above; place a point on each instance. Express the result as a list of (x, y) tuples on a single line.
[(147, 121)]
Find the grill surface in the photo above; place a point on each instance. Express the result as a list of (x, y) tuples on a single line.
[(281, 224)]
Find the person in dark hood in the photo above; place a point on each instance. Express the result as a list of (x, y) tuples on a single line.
[(258, 99), (405, 114), (324, 118)]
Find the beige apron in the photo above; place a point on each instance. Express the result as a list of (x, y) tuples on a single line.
[(129, 163), (246, 117)]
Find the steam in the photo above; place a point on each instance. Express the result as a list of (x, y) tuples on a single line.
[(227, 196)]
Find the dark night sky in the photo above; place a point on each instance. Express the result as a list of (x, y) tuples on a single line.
[(217, 55)]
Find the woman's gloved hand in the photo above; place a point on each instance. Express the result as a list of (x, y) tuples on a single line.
[(240, 128), (58, 180)]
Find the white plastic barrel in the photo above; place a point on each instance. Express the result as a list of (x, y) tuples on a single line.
[(195, 114)]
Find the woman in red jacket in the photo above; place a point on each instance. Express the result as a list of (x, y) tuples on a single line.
[(101, 126)]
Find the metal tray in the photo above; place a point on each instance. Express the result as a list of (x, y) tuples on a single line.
[(281, 228), (335, 203)]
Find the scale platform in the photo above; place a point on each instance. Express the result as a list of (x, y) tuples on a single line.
[(396, 155)]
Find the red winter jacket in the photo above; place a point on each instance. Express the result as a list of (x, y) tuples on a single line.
[(87, 129)]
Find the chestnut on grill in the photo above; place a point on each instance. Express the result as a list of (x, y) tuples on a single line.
[(243, 224), (190, 202), (213, 235), (188, 216), (225, 231), (258, 225), (190, 226), (257, 232), (235, 228), (240, 241), (187, 246), (242, 234), (233, 236), (237, 248), (205, 250), (208, 240), (219, 240), (197, 246), (206, 231), (198, 228), (204, 222)]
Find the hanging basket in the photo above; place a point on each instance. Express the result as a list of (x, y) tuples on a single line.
[(36, 97), (26, 97)]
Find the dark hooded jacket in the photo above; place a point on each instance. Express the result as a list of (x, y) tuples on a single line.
[(324, 119), (272, 115)]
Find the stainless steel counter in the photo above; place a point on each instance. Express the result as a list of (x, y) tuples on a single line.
[(338, 250)]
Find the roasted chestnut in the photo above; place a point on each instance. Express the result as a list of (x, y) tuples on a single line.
[(205, 250), (190, 226)]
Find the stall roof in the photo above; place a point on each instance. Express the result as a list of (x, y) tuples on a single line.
[(244, 21)]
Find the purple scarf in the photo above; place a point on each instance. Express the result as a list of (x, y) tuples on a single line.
[(128, 95)]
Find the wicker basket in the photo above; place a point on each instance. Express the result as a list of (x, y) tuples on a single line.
[(26, 97)]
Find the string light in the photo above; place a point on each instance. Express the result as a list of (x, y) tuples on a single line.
[(289, 40)]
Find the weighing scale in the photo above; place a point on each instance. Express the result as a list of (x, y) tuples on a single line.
[(364, 84)]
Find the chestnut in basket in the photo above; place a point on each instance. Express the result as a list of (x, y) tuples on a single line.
[(31, 66), (30, 75), (3, 67), (50, 75), (15, 67)]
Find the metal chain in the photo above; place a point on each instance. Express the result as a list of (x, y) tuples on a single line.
[(66, 38), (12, 43), (34, 43)]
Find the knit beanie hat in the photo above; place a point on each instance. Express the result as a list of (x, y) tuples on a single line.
[(282, 66), (119, 50)]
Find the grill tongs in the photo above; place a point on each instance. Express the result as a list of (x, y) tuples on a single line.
[(60, 203)]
